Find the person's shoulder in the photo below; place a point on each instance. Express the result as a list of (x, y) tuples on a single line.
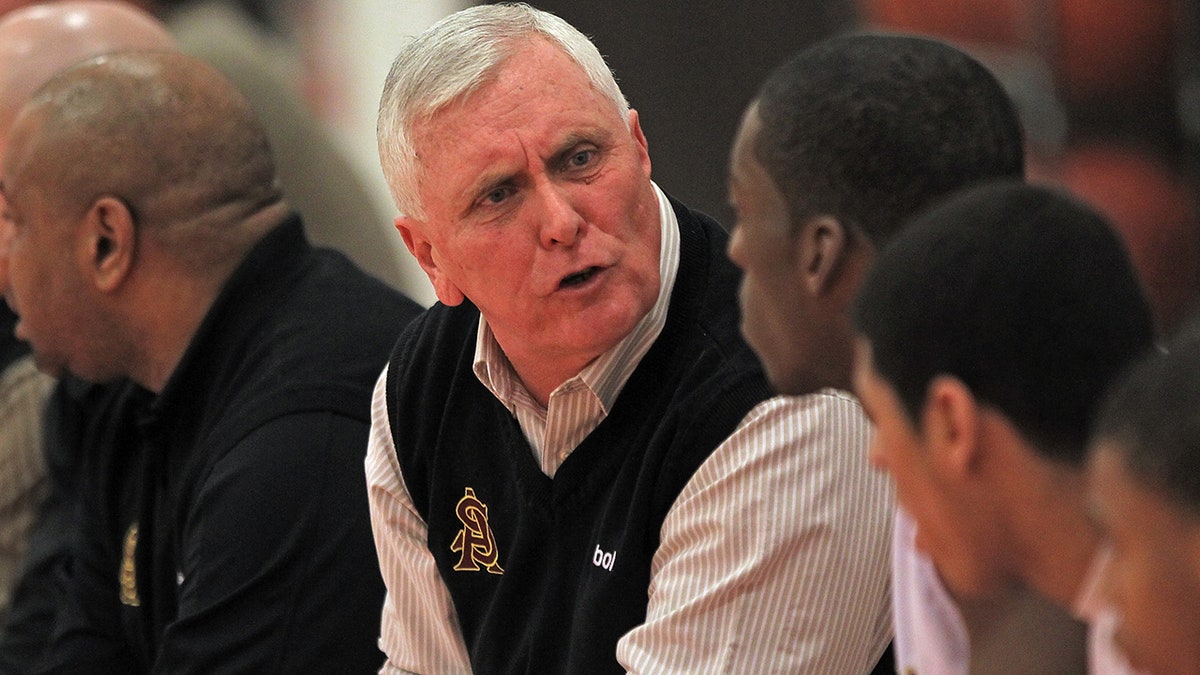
[(831, 412), (316, 341), (337, 278), (22, 384), (298, 442), (433, 348), (827, 401), (441, 325), (336, 312)]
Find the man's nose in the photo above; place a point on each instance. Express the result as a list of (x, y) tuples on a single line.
[(561, 224)]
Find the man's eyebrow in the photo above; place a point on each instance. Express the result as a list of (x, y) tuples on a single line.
[(568, 145)]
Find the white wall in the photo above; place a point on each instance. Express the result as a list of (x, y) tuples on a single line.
[(353, 43)]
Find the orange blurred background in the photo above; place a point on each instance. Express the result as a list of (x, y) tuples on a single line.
[(1108, 91)]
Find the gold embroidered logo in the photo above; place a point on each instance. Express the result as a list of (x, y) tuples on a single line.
[(128, 574), (475, 543)]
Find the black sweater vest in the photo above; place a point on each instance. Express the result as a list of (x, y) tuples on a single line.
[(547, 574)]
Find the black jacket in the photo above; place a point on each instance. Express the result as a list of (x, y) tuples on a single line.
[(225, 524)]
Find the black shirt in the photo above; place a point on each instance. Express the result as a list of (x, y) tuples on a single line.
[(225, 524)]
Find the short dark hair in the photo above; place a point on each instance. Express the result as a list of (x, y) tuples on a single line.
[(1021, 292), (1152, 416), (871, 128)]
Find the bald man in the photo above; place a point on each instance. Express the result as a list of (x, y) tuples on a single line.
[(224, 520), (39, 40), (338, 207), (339, 210), (35, 42)]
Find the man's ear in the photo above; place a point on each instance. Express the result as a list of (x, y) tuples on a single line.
[(411, 231), (821, 248), (107, 246), (950, 425), (635, 127)]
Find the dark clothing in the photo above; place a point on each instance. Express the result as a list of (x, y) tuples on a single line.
[(11, 348), (15, 646), (225, 522), (574, 551), (44, 581)]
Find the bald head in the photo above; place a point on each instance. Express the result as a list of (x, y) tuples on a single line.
[(165, 134), (38, 40)]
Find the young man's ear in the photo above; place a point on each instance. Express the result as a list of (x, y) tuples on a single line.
[(422, 250), (108, 243), (950, 424), (821, 246)]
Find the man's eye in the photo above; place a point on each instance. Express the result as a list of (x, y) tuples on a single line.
[(581, 158), (496, 196)]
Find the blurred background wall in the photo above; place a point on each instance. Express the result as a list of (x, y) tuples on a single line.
[(1110, 95), (1109, 91)]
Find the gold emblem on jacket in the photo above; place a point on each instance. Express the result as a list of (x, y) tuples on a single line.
[(128, 574), (475, 543)]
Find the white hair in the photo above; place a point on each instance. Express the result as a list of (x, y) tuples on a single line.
[(453, 58)]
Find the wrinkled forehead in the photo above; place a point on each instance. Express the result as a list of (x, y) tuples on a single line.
[(471, 74), (538, 90)]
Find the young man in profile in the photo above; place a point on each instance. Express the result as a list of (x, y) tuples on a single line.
[(988, 330), (1144, 473)]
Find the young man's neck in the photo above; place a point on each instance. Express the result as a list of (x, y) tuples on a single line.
[(1062, 542)]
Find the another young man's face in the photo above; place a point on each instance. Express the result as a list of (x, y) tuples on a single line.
[(777, 314), (957, 537), (539, 209), (1153, 575)]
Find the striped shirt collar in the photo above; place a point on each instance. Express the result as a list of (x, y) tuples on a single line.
[(607, 374)]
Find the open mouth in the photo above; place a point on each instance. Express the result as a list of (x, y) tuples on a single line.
[(578, 277)]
